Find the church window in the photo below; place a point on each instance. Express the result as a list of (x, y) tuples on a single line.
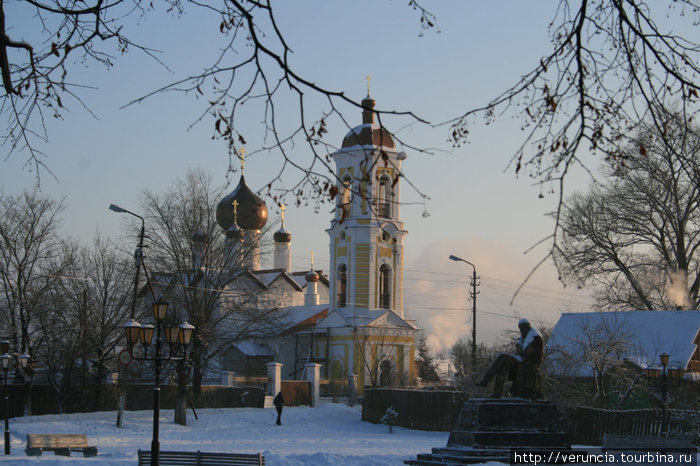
[(384, 287), (384, 197), (346, 198), (342, 285), (386, 373)]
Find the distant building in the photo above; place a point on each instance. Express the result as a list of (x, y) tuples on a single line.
[(636, 336), (350, 320)]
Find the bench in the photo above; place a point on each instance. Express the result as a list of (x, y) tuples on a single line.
[(201, 458), (60, 444), (676, 443)]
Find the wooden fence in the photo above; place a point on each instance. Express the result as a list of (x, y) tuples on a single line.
[(439, 410), (586, 426), (418, 409), (333, 388), (139, 396), (296, 392)]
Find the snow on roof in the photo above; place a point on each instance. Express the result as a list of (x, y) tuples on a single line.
[(294, 315), (267, 277), (648, 334), (250, 348), (300, 279)]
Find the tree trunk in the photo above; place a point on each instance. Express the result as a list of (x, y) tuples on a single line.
[(181, 399)]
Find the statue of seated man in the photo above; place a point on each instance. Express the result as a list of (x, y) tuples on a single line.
[(528, 357)]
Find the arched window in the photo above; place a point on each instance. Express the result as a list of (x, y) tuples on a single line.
[(384, 197), (346, 197), (387, 373), (384, 287), (342, 285)]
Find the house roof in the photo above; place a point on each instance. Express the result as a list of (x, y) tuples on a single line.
[(299, 318), (268, 277), (647, 333), (250, 348)]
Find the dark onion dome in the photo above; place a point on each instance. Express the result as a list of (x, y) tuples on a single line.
[(200, 237), (311, 276), (251, 210), (234, 233), (282, 236), (368, 133)]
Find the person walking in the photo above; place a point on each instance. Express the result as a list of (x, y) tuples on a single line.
[(279, 404)]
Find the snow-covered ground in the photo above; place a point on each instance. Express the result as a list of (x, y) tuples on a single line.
[(331, 434)]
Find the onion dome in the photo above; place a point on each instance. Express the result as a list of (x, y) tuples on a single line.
[(199, 237), (241, 206), (282, 236), (234, 233), (311, 276), (368, 133)]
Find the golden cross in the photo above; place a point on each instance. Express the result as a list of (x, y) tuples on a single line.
[(312, 259), (368, 80), (235, 208), (282, 209), (242, 151)]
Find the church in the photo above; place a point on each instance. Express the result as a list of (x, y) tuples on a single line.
[(350, 319)]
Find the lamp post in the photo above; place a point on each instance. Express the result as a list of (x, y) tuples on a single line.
[(5, 359), (138, 254), (473, 294), (667, 378), (175, 336), (138, 260)]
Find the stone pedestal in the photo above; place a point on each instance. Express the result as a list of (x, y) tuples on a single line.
[(489, 428)]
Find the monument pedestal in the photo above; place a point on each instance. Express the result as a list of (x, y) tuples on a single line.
[(489, 428)]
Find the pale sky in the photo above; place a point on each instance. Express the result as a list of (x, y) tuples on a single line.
[(478, 209)]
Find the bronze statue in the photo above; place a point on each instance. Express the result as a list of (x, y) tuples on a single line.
[(521, 367)]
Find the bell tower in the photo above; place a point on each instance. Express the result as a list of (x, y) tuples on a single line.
[(367, 234)]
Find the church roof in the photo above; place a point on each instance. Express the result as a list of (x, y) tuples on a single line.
[(647, 333), (391, 319), (300, 277), (300, 318), (250, 213), (368, 133), (282, 236), (268, 277)]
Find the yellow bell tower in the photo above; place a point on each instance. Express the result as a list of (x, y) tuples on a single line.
[(367, 234)]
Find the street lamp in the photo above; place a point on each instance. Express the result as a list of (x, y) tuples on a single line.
[(5, 360), (175, 336), (473, 294), (667, 378), (138, 254), (138, 260)]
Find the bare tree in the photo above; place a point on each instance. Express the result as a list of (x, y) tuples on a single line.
[(196, 276), (603, 346), (31, 255), (378, 351), (611, 65), (635, 238), (89, 307)]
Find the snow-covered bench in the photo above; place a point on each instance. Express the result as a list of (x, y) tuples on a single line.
[(60, 444), (201, 458)]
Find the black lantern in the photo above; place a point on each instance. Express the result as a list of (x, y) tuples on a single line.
[(174, 336), (5, 361)]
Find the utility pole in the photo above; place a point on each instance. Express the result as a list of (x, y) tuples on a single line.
[(472, 294), (138, 261)]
